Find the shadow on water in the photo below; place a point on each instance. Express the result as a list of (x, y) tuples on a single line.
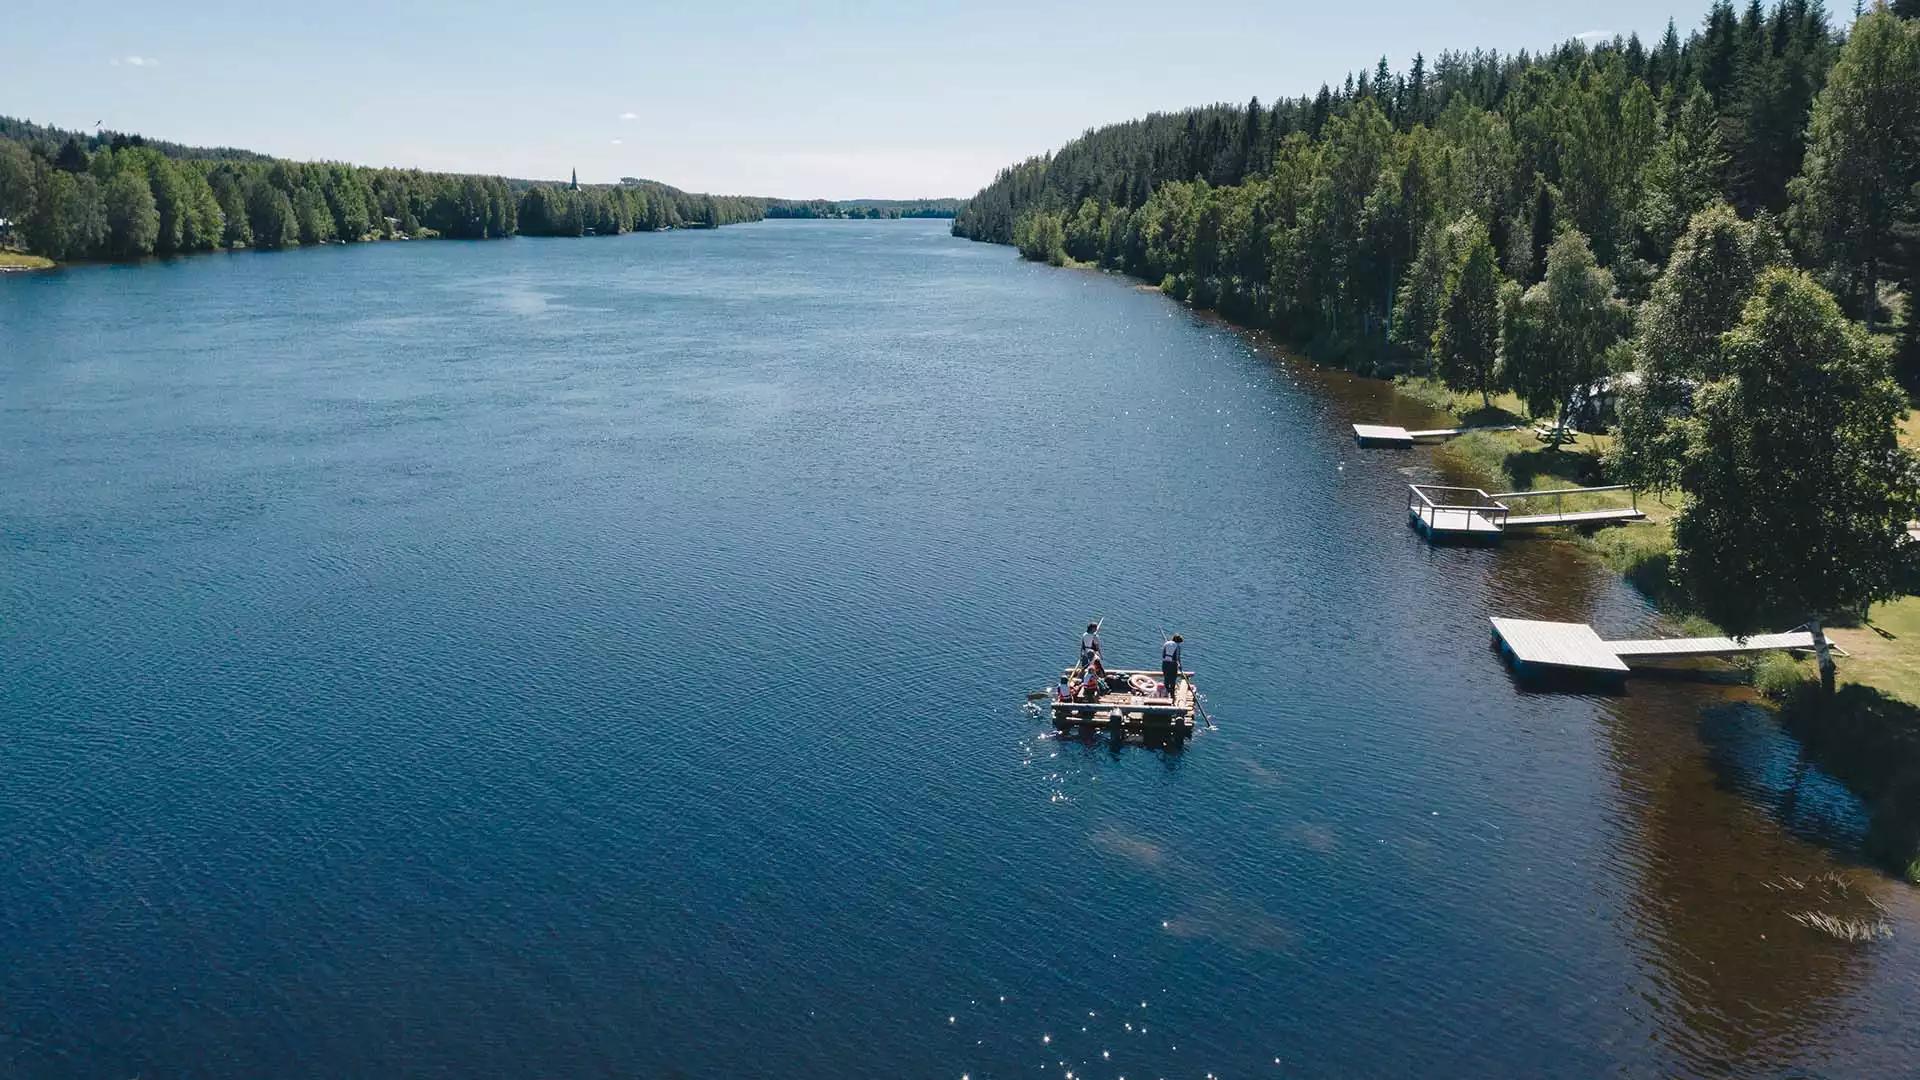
[(1702, 790), (1168, 746), (1752, 757), (1872, 742)]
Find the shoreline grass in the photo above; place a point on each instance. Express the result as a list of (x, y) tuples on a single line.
[(20, 260)]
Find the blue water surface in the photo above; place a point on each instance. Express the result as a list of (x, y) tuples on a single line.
[(606, 658)]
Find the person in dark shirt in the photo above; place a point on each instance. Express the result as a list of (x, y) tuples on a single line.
[(1090, 644), (1170, 662)]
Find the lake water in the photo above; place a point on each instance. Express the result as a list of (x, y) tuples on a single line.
[(606, 657)]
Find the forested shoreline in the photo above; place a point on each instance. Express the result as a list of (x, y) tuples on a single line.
[(1721, 234), (1605, 218), (1339, 219), (865, 209), (68, 197)]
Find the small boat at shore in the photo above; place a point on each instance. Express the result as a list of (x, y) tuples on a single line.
[(1128, 700)]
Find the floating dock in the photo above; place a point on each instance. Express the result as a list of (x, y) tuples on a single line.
[(1131, 700), (1443, 513), (1533, 646)]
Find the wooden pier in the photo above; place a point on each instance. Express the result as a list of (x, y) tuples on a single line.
[(1443, 513), (1400, 438), (1532, 646)]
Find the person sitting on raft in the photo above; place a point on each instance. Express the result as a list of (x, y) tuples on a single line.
[(1093, 678)]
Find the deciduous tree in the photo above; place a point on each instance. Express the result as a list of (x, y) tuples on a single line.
[(1798, 492), (1678, 336), (1555, 337)]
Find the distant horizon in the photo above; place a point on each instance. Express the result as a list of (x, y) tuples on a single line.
[(735, 98)]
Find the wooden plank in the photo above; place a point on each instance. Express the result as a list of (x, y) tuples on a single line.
[(1711, 646), (1572, 646), (1435, 434), (1451, 520), (1573, 517)]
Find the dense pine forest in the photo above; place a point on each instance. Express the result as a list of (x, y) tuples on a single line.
[(68, 196), (1347, 219)]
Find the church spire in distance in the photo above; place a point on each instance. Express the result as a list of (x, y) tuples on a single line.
[(574, 184)]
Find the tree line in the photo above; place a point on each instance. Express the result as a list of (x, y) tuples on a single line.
[(630, 206), (1725, 230), (120, 197), (864, 209)]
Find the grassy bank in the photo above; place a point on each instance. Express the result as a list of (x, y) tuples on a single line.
[(19, 260), (1868, 735)]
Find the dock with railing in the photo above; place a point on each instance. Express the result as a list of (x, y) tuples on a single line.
[(1442, 513), (1455, 513)]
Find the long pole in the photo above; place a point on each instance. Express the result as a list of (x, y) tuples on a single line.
[(1203, 711)]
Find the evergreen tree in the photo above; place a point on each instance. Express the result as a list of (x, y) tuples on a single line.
[(72, 158), (1413, 109), (1685, 174), (1423, 293), (1466, 342), (1863, 155)]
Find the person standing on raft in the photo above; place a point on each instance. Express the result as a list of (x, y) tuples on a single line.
[(1170, 663), (1090, 644)]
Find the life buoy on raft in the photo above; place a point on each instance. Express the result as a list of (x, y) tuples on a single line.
[(1144, 684)]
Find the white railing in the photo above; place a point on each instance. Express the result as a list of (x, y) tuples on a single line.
[(1559, 496), (1486, 506)]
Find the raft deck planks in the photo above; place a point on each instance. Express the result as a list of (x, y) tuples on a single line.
[(1127, 710)]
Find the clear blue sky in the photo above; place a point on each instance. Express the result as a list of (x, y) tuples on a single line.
[(805, 100)]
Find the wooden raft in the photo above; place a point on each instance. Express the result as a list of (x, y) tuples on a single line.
[(1128, 709)]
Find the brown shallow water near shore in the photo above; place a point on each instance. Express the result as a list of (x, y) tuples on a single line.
[(1723, 828)]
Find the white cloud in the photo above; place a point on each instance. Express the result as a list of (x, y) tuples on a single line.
[(135, 61), (616, 142), (1593, 36), (629, 116)]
